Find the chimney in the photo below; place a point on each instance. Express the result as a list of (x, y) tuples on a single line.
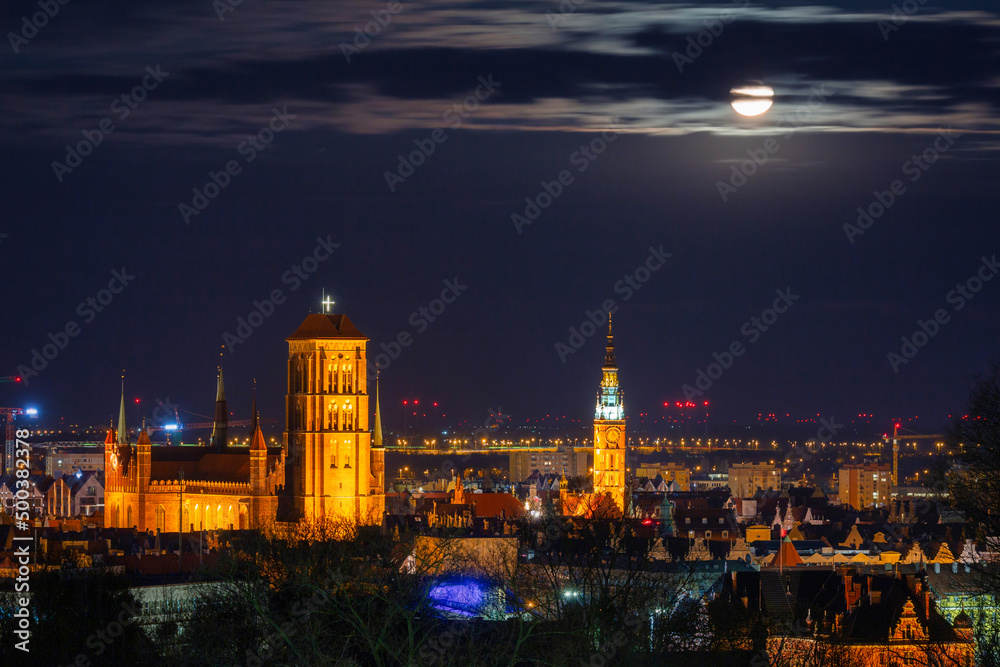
[(927, 604)]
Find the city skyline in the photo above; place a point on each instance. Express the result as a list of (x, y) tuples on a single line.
[(233, 178)]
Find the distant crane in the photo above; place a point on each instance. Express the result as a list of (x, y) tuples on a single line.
[(895, 447)]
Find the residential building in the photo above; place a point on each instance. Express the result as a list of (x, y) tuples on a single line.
[(746, 478), (866, 485)]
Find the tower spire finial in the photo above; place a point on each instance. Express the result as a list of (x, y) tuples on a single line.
[(377, 435), (122, 431), (220, 429), (254, 416)]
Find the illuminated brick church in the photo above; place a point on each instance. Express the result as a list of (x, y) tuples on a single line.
[(327, 468)]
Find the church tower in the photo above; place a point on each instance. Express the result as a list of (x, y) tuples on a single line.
[(327, 437), (609, 431)]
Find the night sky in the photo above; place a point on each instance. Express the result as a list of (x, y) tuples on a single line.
[(855, 101)]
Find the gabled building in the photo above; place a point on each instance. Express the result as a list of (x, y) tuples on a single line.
[(826, 617)]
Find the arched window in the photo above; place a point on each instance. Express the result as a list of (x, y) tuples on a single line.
[(129, 515), (161, 519), (186, 519)]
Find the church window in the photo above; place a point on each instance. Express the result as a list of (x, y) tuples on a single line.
[(333, 460), (161, 519), (348, 465)]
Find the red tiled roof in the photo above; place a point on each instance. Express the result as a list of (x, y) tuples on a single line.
[(490, 504), (211, 466), (326, 325)]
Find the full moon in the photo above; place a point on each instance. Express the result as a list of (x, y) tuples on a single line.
[(752, 100)]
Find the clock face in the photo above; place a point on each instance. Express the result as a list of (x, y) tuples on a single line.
[(114, 460), (613, 435)]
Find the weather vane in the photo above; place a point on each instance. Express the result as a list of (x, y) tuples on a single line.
[(327, 302)]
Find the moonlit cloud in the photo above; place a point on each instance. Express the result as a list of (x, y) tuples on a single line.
[(565, 71)]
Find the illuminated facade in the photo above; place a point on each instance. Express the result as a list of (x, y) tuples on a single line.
[(333, 470), (328, 467), (609, 431), (187, 488)]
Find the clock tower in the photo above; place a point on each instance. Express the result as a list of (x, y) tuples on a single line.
[(609, 431)]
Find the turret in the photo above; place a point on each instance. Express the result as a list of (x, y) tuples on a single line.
[(258, 462), (144, 460)]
